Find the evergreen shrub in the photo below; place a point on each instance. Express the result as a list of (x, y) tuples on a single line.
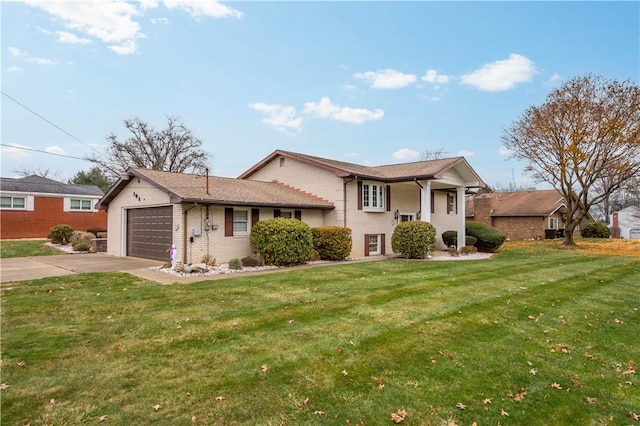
[(596, 230), (281, 241), (414, 239), (450, 238), (60, 234), (489, 238), (332, 242)]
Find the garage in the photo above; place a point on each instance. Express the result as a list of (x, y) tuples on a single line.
[(634, 234), (149, 233)]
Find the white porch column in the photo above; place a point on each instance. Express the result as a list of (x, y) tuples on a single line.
[(460, 192), (425, 201)]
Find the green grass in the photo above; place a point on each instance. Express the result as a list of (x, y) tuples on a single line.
[(435, 334), (24, 248)]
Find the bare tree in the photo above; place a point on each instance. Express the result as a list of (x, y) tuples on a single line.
[(433, 155), (174, 149), (45, 173), (587, 130)]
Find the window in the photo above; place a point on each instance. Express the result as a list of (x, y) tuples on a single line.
[(287, 214), (451, 203), (373, 196), (406, 217), (282, 161), (374, 244), (240, 221), (13, 203), (553, 223), (80, 205)]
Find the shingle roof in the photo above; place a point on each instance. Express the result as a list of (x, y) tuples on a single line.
[(39, 184), (526, 203), (183, 187), (429, 169)]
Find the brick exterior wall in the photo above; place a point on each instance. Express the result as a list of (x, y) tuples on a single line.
[(521, 228), (47, 212)]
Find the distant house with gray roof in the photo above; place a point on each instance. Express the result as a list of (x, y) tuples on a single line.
[(30, 206)]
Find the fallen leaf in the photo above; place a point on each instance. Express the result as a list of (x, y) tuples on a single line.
[(194, 419), (52, 401), (102, 418), (634, 416), (556, 385), (461, 406), (412, 383), (533, 371), (4, 386), (319, 413), (520, 395), (504, 413), (157, 407), (591, 400), (345, 372), (398, 416), (487, 401), (220, 398), (22, 363), (265, 368)]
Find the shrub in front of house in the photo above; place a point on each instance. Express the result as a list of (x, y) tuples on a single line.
[(332, 242), (450, 238), (81, 237), (596, 230), (252, 261), (489, 238), (60, 234), (82, 246), (235, 264), (282, 242), (414, 239)]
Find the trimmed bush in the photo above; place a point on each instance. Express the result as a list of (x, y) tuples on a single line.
[(450, 238), (332, 242), (489, 238), (81, 237), (414, 239), (235, 264), (252, 261), (282, 242), (60, 234), (82, 246), (596, 230)]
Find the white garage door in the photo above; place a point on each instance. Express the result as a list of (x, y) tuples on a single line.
[(635, 234)]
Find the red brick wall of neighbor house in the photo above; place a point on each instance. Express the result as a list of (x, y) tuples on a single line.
[(47, 213), (521, 228), (482, 209)]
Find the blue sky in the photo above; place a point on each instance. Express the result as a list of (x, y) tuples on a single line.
[(366, 82)]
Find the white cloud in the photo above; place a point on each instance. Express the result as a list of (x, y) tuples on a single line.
[(465, 153), (126, 48), (207, 8), (406, 154), (25, 56), (386, 79), (326, 109), (14, 69), (69, 38), (283, 118), (503, 150), (15, 151), (432, 76), (55, 149), (501, 75), (160, 21)]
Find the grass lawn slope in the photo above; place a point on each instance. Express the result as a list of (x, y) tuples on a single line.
[(537, 335)]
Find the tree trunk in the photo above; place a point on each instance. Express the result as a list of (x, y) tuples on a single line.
[(568, 236)]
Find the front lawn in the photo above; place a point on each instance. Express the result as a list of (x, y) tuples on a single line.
[(536, 336), (24, 248)]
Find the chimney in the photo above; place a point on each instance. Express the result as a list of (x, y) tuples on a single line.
[(482, 208), (615, 228), (207, 171)]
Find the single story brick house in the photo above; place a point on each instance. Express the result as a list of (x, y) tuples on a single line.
[(625, 223), (522, 215), (32, 205), (151, 210)]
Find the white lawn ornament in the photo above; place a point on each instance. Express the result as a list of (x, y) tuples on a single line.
[(173, 256)]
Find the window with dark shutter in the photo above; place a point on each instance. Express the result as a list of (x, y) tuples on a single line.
[(298, 214), (359, 195), (255, 216), (388, 200)]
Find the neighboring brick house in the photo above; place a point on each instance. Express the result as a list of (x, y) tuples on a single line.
[(625, 223), (522, 215), (32, 205), (151, 210)]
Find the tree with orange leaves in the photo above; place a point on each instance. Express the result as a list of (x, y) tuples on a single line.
[(586, 132)]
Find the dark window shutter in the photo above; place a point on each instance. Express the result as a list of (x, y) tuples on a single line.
[(366, 244), (276, 212), (255, 216), (433, 202), (456, 212), (228, 222), (382, 245), (388, 198), (298, 214), (359, 195)]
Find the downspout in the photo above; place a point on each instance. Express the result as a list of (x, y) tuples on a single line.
[(184, 232), (420, 198)]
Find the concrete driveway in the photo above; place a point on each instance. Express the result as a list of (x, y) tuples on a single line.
[(36, 267)]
